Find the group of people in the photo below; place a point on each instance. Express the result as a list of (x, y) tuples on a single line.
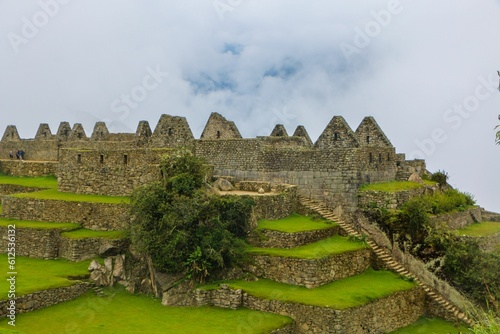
[(19, 154)]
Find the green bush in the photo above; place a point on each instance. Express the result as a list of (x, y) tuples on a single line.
[(182, 227), (441, 177), (473, 271)]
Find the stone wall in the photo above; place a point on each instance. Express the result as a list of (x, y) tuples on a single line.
[(277, 205), (111, 172), (28, 168), (44, 298), (39, 243), (88, 248), (9, 189), (381, 316), (94, 216), (390, 200), (457, 220), (311, 272), (277, 239), (330, 171)]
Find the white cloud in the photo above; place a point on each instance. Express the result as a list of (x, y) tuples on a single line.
[(263, 61)]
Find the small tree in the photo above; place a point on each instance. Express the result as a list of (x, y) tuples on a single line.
[(182, 227)]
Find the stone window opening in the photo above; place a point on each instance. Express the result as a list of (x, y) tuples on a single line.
[(79, 158), (370, 157), (101, 159), (380, 157), (12, 134), (125, 159), (170, 131), (368, 139), (388, 157), (336, 136), (218, 134), (79, 135)]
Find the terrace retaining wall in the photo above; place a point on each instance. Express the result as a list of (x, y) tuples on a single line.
[(28, 168), (94, 216), (381, 316), (45, 298), (277, 239), (311, 272)]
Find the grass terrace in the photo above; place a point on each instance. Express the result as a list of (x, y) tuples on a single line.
[(37, 274), (430, 326), (53, 194), (295, 223), (84, 233), (395, 186), (350, 292), (483, 229), (49, 182), (121, 312), (39, 225), (316, 250)]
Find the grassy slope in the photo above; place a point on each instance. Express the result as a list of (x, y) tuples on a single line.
[(53, 194), (315, 250), (39, 225), (480, 230), (430, 326), (37, 274), (394, 186), (295, 223), (349, 292), (126, 313), (33, 182)]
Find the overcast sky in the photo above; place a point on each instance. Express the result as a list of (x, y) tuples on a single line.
[(426, 70)]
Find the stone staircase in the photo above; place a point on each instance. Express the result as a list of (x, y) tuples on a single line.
[(388, 260), (287, 275)]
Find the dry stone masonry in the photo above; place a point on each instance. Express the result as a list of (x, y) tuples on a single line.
[(330, 170)]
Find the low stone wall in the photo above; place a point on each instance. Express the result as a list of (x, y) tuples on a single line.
[(311, 272), (39, 243), (45, 298), (276, 239), (276, 206), (94, 216), (50, 244), (253, 186), (456, 220), (487, 244), (83, 249), (381, 316), (390, 200), (8, 189), (28, 168)]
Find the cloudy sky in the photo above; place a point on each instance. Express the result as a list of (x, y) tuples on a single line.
[(426, 70)]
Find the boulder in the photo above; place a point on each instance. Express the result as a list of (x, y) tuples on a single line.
[(223, 185), (414, 177)]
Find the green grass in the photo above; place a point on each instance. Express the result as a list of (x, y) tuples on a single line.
[(53, 194), (394, 186), (480, 230), (295, 223), (85, 233), (39, 225), (121, 312), (350, 292), (315, 250), (37, 274), (432, 326), (33, 182)]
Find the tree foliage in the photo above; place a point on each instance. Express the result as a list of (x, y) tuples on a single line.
[(182, 227)]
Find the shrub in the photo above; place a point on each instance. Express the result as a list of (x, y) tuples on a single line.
[(441, 177), (182, 227)]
